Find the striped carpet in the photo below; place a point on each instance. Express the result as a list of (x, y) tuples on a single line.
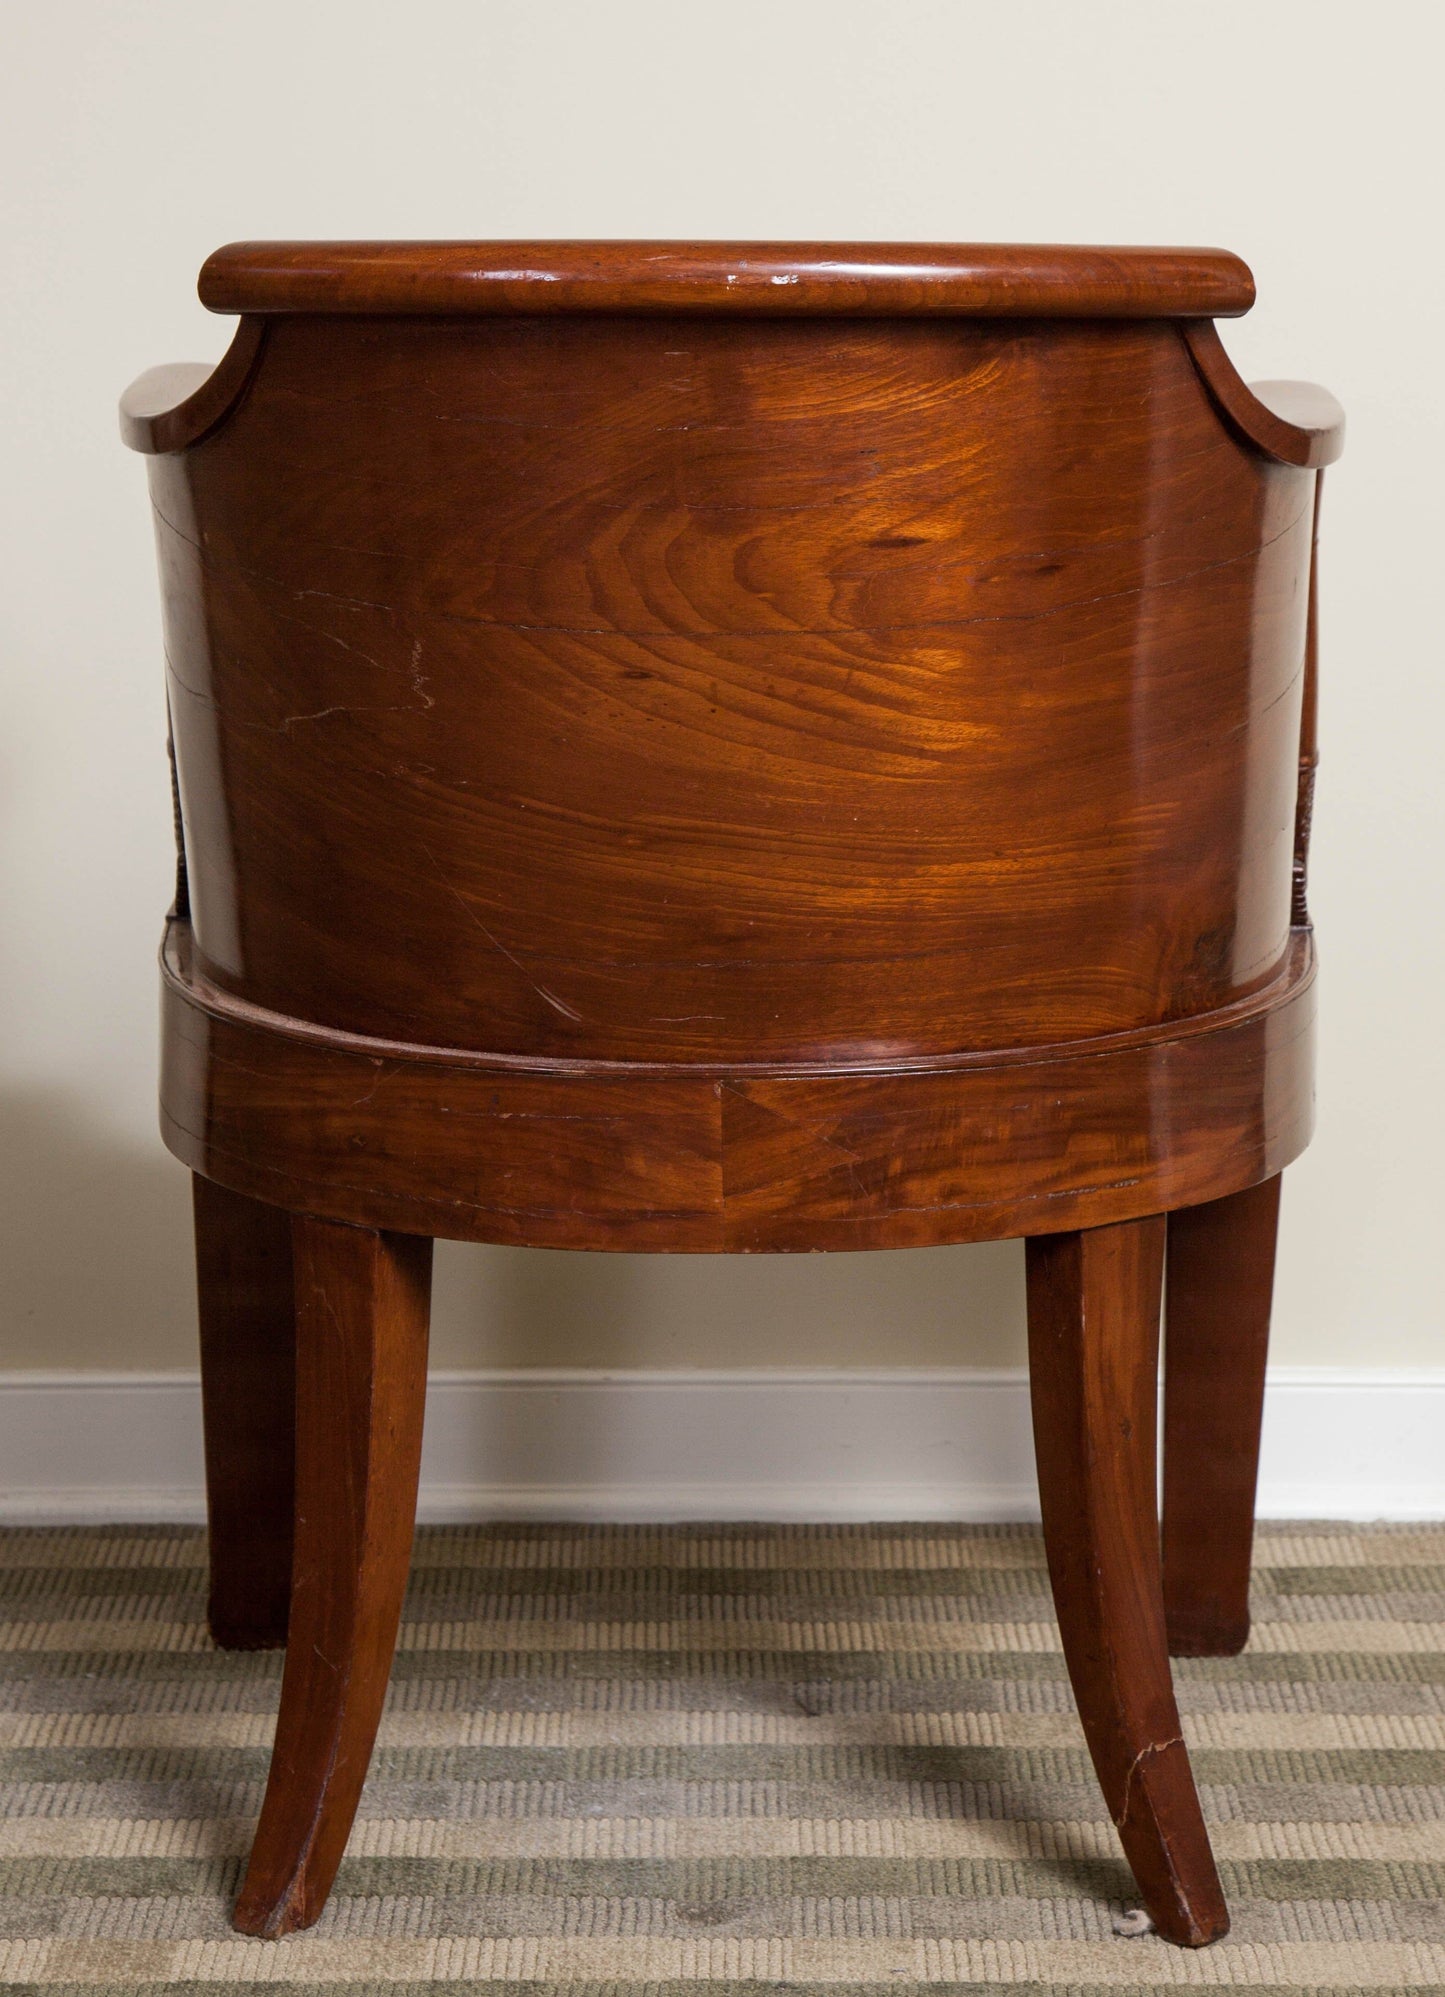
[(637, 1759)]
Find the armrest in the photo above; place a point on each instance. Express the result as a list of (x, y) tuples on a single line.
[(1291, 421), (171, 408)]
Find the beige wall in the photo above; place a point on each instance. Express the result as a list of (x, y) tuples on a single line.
[(139, 134)]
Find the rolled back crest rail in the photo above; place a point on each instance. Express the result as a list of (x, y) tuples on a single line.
[(747, 747)]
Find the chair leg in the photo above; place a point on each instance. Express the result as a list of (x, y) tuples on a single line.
[(361, 1318), (1093, 1358), (1219, 1283), (248, 1340)]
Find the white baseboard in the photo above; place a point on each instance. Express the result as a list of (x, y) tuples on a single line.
[(785, 1444)]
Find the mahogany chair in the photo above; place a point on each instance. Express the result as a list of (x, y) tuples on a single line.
[(735, 747)]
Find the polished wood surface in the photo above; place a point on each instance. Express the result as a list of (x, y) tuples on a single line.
[(661, 1156), (825, 710), (1220, 1285), (171, 408), (246, 1307), (747, 747), (1294, 421), (1093, 1369), (362, 1302), (893, 280)]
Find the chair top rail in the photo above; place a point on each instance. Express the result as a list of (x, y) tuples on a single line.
[(170, 409), (987, 280)]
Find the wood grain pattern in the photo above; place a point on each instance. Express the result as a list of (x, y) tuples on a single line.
[(826, 715), (791, 279), (1221, 1283), (1295, 422), (660, 1156), (362, 1302), (721, 747), (1093, 1368)]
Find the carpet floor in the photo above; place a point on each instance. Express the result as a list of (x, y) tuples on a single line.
[(642, 1759)]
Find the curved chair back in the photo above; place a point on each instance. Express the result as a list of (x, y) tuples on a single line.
[(730, 747), (727, 657), (696, 685)]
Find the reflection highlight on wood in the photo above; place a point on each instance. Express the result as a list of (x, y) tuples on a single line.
[(987, 280), (1093, 1367), (362, 1300), (738, 747)]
